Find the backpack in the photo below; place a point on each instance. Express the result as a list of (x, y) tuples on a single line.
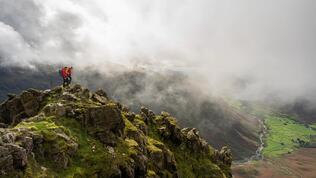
[(62, 72)]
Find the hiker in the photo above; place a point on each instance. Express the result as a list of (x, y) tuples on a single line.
[(66, 75), (69, 73)]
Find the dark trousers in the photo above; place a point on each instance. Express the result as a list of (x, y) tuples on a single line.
[(67, 81)]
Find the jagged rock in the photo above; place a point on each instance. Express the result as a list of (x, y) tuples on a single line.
[(14, 110), (127, 171), (8, 137), (99, 99), (6, 160), (75, 88), (86, 93), (11, 111), (55, 109), (11, 96), (224, 156), (102, 93), (194, 141), (119, 106), (170, 161), (141, 126), (16, 144), (168, 127), (31, 101), (107, 137), (100, 121), (141, 164), (125, 109), (26, 143), (147, 114), (57, 89), (69, 97), (107, 118), (19, 155), (130, 116)]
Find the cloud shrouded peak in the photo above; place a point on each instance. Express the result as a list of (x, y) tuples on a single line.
[(247, 49)]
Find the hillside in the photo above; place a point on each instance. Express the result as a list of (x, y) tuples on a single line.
[(219, 123), (71, 132)]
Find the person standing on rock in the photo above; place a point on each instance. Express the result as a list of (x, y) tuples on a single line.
[(69, 73), (66, 73)]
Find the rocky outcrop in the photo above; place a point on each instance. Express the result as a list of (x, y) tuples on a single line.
[(103, 122), (18, 144), (17, 108), (93, 136)]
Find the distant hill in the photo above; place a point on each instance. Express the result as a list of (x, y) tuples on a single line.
[(17, 79)]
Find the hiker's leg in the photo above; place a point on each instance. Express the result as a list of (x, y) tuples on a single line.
[(64, 82), (70, 79)]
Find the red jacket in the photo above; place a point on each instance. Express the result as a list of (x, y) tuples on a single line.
[(64, 72), (69, 72)]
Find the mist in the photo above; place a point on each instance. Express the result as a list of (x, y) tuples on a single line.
[(250, 50)]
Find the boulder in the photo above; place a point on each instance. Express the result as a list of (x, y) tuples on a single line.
[(55, 109), (140, 164), (30, 100), (147, 114), (223, 157), (6, 161), (11, 109), (99, 99), (101, 121), (193, 140), (130, 116), (19, 155)]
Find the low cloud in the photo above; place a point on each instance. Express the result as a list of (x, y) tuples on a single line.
[(244, 49)]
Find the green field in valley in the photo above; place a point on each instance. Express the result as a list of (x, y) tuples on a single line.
[(285, 135)]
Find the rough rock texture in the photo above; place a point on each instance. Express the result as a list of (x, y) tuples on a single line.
[(17, 108), (71, 132)]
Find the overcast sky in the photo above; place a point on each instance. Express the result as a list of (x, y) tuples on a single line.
[(268, 46)]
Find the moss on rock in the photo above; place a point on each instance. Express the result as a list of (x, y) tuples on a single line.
[(76, 133)]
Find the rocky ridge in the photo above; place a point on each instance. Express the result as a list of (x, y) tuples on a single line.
[(72, 132)]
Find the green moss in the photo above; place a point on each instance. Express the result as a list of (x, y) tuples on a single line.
[(154, 142), (153, 149), (172, 120), (139, 118), (111, 104), (132, 146), (151, 173), (34, 170), (129, 127), (92, 157), (189, 165)]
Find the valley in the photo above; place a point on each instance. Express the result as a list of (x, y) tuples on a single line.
[(288, 150)]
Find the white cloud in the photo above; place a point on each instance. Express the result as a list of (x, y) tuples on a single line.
[(269, 45)]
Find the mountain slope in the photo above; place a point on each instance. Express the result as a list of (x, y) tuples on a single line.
[(71, 132), (219, 123)]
